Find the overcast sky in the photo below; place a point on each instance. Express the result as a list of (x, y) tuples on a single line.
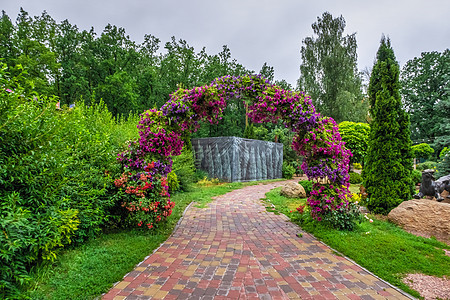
[(258, 31)]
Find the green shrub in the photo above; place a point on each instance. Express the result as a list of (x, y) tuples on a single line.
[(183, 166), (444, 152), (427, 165), (422, 150), (200, 175), (55, 177), (307, 185), (355, 178), (356, 136), (388, 162), (288, 171), (416, 176), (172, 181), (344, 218), (357, 166), (444, 166)]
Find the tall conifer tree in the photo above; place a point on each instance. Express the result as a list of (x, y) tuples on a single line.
[(388, 167)]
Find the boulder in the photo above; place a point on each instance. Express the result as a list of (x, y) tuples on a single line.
[(423, 217), (293, 190)]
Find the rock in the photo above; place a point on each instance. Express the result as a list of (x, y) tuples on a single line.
[(423, 217), (293, 190), (445, 195)]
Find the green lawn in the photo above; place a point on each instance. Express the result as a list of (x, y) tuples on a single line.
[(86, 271), (381, 247)]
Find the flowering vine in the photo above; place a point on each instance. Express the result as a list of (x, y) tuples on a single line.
[(148, 161)]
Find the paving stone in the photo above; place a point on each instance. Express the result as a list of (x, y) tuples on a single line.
[(235, 249)]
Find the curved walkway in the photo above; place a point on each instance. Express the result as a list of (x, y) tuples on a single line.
[(235, 249)]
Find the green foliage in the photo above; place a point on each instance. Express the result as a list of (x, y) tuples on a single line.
[(344, 218), (356, 137), (355, 178), (28, 237), (129, 77), (54, 173), (357, 166), (200, 175), (287, 170), (183, 166), (427, 165), (307, 185), (444, 152), (249, 132), (172, 181), (425, 90), (422, 150), (444, 166), (329, 71), (416, 176), (388, 165)]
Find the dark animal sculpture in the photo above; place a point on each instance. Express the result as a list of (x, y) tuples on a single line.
[(432, 187)]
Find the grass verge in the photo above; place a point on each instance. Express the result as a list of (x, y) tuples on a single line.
[(381, 247), (88, 270)]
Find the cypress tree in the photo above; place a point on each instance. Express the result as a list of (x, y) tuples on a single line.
[(388, 166)]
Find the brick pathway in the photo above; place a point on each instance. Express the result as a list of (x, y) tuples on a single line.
[(234, 249)]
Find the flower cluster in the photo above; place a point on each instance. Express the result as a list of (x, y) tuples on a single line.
[(325, 198), (145, 195), (316, 138)]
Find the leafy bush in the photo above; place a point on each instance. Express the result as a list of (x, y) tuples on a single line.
[(183, 166), (200, 175), (355, 136), (207, 182), (355, 198), (344, 218), (422, 150), (427, 165), (307, 185), (55, 174), (288, 171), (355, 178), (444, 152), (416, 176), (444, 166), (172, 181), (357, 166)]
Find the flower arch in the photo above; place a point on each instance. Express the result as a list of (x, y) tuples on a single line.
[(147, 161)]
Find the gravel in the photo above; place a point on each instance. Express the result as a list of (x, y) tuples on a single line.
[(429, 287)]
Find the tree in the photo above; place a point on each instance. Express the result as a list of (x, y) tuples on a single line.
[(388, 166), (422, 150), (356, 137), (119, 94), (329, 71), (267, 72), (425, 82)]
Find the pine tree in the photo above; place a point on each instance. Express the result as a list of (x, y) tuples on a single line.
[(388, 167)]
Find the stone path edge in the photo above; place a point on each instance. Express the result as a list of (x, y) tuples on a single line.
[(156, 249), (352, 261)]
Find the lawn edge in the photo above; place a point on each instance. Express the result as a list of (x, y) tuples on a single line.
[(154, 250)]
